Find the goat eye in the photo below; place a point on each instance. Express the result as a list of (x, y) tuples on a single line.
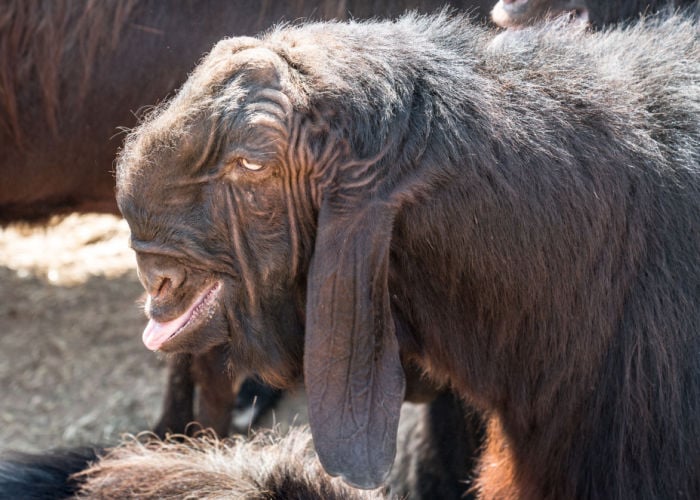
[(250, 166)]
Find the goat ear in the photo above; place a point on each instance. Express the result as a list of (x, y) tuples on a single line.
[(354, 379)]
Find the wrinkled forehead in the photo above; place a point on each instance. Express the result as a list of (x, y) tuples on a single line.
[(177, 134)]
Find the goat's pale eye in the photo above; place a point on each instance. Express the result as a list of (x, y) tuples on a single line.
[(250, 166)]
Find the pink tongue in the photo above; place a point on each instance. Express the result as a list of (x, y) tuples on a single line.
[(156, 334)]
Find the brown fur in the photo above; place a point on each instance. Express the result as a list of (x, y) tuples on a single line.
[(266, 467), (38, 39)]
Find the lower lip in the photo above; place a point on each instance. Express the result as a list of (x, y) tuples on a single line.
[(204, 305)]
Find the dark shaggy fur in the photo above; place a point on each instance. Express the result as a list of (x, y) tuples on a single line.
[(344, 197), (510, 13)]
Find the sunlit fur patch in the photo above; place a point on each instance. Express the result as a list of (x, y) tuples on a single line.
[(268, 465)]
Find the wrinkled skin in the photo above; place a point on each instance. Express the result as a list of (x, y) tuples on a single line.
[(335, 199), (201, 215)]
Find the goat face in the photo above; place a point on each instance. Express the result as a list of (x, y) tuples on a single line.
[(240, 198)]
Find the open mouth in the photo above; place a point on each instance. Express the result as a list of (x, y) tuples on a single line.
[(156, 333)]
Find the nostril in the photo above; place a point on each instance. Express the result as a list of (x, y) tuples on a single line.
[(159, 275), (167, 281), (176, 277), (163, 287)]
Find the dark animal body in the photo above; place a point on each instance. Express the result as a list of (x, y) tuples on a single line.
[(599, 13), (523, 228), (73, 73), (519, 225)]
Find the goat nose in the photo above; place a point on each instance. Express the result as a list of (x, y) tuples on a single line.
[(158, 277), (162, 281)]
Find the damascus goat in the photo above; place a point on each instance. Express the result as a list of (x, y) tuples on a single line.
[(343, 198)]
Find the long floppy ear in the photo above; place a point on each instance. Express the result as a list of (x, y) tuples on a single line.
[(354, 379)]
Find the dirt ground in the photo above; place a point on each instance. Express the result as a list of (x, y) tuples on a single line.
[(73, 369)]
